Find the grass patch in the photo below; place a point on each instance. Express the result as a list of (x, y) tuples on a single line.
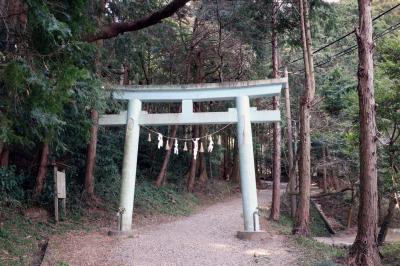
[(317, 224), (285, 224), (316, 253), (167, 200), (391, 253), (21, 237)]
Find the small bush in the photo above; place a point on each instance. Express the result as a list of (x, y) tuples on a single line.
[(167, 199), (11, 185)]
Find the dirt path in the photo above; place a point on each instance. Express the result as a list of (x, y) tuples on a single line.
[(206, 238), (346, 238)]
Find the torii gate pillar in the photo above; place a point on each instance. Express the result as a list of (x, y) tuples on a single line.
[(129, 164), (246, 160)]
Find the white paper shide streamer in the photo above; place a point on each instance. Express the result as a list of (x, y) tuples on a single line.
[(195, 147), (176, 150), (210, 144), (167, 147), (185, 147), (160, 141)]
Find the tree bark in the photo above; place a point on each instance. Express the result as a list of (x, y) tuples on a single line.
[(91, 155), (386, 221), (116, 28), (365, 249), (301, 225), (350, 215), (203, 176), (324, 181), (276, 175), (292, 181), (4, 156), (163, 172), (310, 56), (41, 175), (193, 168)]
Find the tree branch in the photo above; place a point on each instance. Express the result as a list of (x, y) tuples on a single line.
[(116, 28)]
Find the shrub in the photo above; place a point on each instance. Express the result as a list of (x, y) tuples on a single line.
[(11, 185)]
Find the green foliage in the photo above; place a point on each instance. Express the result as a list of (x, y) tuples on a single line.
[(337, 83), (11, 185), (316, 253), (166, 199), (390, 253), (317, 224), (21, 238)]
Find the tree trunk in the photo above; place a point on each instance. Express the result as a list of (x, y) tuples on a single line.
[(162, 176), (41, 175), (236, 168), (94, 115), (365, 249), (292, 177), (91, 155), (301, 225), (386, 221), (310, 56), (276, 175), (4, 156), (203, 177), (193, 168), (1, 147), (324, 181), (350, 215)]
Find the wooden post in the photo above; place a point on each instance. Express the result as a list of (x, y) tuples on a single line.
[(59, 193), (55, 194)]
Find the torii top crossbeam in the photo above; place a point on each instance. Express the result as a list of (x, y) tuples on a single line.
[(187, 94), (200, 92)]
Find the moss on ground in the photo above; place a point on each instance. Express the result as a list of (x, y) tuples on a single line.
[(316, 253), (311, 252), (21, 238), (391, 254)]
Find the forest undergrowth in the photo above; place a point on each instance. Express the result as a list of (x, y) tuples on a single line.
[(26, 228)]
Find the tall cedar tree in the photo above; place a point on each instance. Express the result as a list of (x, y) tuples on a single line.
[(275, 209), (301, 225), (365, 248)]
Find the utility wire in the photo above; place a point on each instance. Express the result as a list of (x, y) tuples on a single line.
[(347, 34), (350, 49)]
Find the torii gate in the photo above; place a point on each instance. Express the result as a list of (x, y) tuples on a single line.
[(243, 115)]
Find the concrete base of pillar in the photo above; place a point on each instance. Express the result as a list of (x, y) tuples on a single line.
[(118, 233), (253, 235)]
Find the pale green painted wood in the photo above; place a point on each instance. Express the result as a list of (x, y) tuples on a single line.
[(190, 118), (246, 161), (200, 92), (129, 164)]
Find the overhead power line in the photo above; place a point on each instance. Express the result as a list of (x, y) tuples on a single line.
[(348, 34), (350, 49)]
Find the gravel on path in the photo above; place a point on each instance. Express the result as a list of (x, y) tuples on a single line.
[(206, 238)]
